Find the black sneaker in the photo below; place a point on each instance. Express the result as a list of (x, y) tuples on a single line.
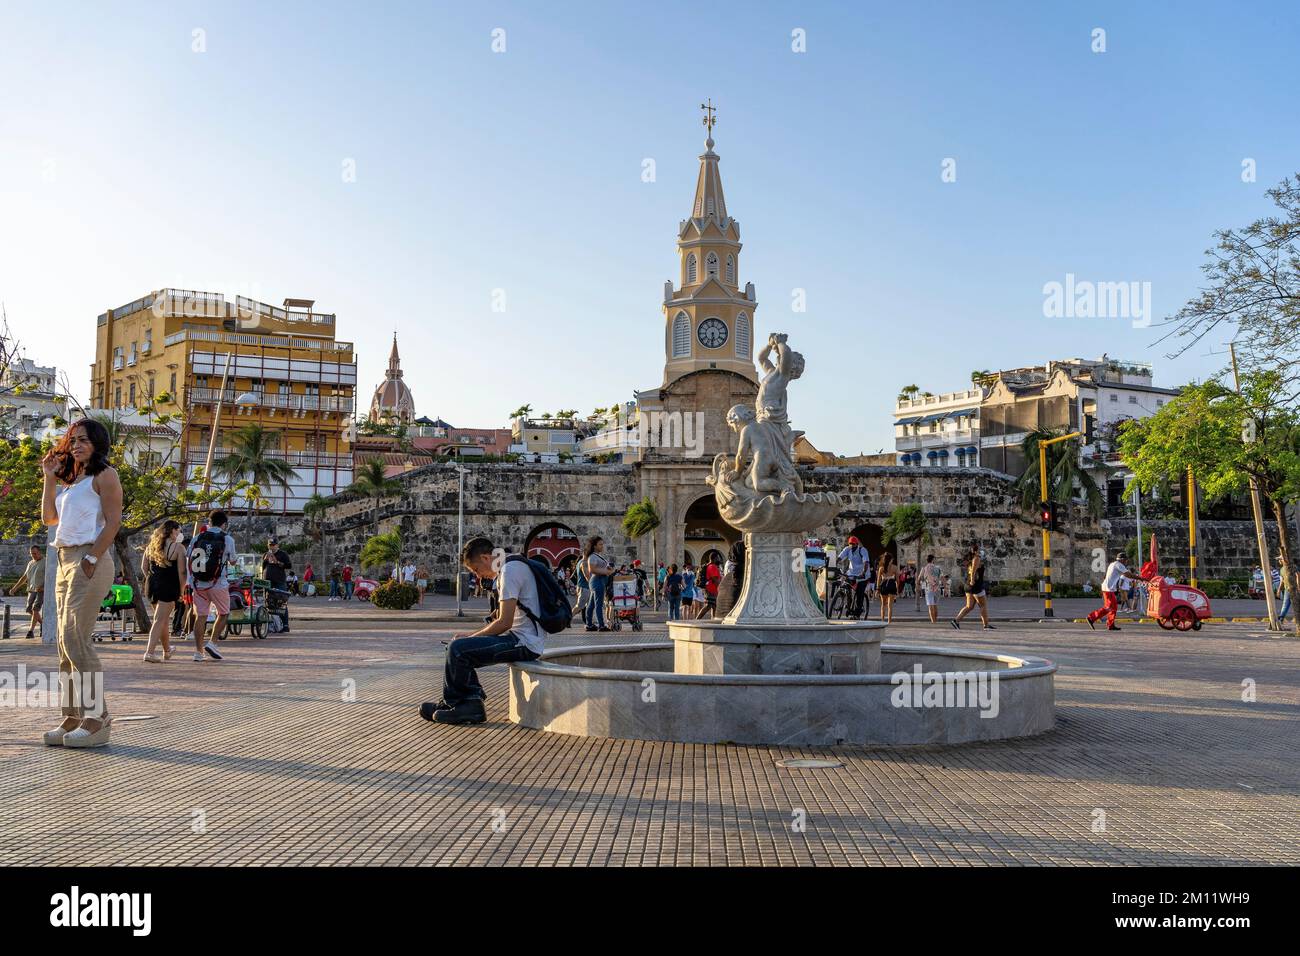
[(1090, 624), (989, 627), (466, 712), (1114, 627), (955, 625), (429, 708)]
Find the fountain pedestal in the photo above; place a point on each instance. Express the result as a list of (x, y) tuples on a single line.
[(776, 626)]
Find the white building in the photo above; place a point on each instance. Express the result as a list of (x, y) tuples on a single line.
[(30, 403), (940, 431)]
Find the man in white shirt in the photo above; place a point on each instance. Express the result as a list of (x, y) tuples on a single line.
[(408, 572), (856, 563), (512, 635), (1109, 592)]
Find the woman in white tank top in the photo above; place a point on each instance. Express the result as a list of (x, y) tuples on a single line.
[(83, 503)]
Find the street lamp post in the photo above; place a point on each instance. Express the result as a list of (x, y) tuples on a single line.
[(460, 537), (1191, 526), (1047, 534)]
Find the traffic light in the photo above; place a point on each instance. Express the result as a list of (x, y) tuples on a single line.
[(1089, 425), (1049, 516)]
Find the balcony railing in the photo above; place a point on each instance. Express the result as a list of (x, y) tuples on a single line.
[(264, 341), (197, 455), (288, 401)]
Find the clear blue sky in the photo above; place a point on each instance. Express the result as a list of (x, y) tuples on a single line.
[(130, 162)]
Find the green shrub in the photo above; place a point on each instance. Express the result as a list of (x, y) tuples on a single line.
[(395, 596), (1214, 589)]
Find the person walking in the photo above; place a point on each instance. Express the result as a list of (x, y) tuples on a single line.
[(336, 583), (82, 500), (422, 580), (975, 592), (598, 573), (688, 590), (584, 589), (887, 586), (308, 579), (932, 584), (712, 578), (33, 578), (673, 590), (163, 568), (1116, 573), (1283, 592), (209, 585)]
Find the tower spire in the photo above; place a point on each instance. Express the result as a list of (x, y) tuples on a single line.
[(709, 201), (394, 361)]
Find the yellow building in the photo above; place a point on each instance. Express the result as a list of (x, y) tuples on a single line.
[(295, 379)]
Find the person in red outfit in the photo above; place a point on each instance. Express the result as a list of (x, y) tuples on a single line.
[(1110, 593)]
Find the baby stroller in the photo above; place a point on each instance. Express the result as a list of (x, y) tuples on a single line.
[(624, 603)]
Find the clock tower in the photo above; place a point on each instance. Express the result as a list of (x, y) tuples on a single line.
[(708, 318)]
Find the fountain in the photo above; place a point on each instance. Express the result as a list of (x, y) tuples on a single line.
[(775, 670)]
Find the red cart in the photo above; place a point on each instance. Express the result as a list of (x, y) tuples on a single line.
[(1176, 607)]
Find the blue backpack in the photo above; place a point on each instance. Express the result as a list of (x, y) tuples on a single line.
[(556, 613)]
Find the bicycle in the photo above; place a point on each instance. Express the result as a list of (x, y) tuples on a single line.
[(839, 604)]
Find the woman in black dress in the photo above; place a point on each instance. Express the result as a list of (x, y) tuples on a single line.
[(163, 569)]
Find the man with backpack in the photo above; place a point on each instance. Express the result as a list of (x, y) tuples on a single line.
[(207, 584), (532, 605)]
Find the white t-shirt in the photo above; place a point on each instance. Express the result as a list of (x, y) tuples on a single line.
[(408, 574), (1113, 575), (517, 582)]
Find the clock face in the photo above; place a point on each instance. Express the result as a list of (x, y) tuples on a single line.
[(712, 333)]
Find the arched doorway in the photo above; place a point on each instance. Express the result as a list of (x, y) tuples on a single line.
[(554, 544), (706, 532), (871, 536)]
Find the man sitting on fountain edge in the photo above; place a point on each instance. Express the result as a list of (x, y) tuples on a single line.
[(512, 635)]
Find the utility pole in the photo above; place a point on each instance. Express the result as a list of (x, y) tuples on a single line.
[(1191, 525), (460, 538), (1248, 435)]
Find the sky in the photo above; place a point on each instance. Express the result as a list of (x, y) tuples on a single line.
[(385, 160)]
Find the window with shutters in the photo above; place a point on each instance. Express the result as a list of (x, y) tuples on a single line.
[(731, 270), (711, 265), (742, 335), (681, 335), (691, 268)]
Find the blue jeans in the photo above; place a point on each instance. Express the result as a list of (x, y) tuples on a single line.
[(674, 608), (334, 589), (347, 589), (594, 614), (460, 681), (1286, 606)]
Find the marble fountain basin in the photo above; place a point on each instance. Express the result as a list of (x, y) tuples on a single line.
[(921, 696)]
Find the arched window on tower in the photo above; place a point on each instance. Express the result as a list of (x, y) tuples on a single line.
[(731, 270), (691, 268), (710, 205), (711, 264), (742, 335), (682, 335)]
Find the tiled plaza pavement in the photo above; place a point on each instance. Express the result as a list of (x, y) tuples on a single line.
[(1151, 729)]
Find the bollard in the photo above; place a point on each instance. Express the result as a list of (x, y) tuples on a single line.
[(6, 624)]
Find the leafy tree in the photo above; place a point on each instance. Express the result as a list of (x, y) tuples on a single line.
[(907, 524), (1066, 481), (908, 392), (371, 482), (641, 519), (1253, 290), (1226, 439), (523, 411)]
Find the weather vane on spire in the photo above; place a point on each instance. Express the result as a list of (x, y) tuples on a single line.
[(709, 118)]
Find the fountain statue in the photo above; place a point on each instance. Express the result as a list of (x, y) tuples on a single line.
[(760, 494)]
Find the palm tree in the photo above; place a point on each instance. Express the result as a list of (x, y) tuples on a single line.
[(523, 411), (905, 524), (640, 520), (252, 456), (1064, 475), (381, 550), (372, 482)]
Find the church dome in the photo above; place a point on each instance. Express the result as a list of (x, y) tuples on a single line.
[(393, 399)]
